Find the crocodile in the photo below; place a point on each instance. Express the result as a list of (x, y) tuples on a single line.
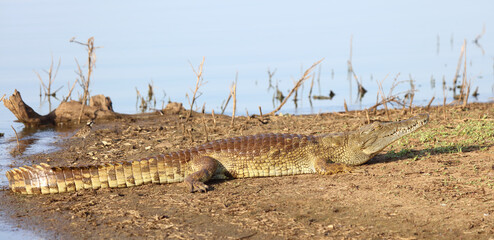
[(260, 155)]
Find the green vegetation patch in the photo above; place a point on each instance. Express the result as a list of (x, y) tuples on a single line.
[(455, 137)]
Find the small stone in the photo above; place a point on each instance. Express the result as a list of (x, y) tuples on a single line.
[(163, 145), (173, 108)]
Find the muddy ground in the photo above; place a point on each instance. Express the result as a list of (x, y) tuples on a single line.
[(432, 185)]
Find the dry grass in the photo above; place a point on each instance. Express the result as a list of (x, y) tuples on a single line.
[(146, 103), (394, 98), (464, 93)]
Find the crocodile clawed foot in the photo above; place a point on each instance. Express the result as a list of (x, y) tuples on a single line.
[(197, 186)]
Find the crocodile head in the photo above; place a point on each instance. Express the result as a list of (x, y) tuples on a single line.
[(378, 135), (373, 138)]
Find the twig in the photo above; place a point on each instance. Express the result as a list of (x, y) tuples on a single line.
[(226, 103), (395, 84), (17, 138), (51, 78), (70, 92), (345, 106), (297, 85), (411, 94), (318, 115), (360, 87), (430, 102), (312, 85), (199, 83), (91, 60), (270, 78), (465, 101), (138, 96), (190, 135), (465, 87), (261, 117), (384, 99), (233, 91), (260, 114), (214, 118), (388, 99), (444, 100), (1, 99), (476, 40), (458, 66), (205, 126), (42, 83)]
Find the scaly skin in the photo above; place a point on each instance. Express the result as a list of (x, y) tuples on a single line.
[(240, 157)]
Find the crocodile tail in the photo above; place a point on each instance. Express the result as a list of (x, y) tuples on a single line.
[(45, 179)]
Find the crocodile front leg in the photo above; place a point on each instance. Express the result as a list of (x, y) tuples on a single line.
[(204, 168), (323, 167)]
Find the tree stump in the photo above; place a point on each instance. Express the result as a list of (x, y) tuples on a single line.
[(67, 112)]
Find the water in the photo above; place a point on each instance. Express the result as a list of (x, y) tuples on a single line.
[(154, 42)]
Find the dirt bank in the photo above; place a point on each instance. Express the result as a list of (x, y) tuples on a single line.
[(437, 183)]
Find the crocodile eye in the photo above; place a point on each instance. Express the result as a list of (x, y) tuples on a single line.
[(369, 141), (370, 128)]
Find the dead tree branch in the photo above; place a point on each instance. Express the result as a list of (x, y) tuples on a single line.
[(199, 83), (304, 77), (51, 78), (85, 81)]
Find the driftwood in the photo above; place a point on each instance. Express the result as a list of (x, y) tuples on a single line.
[(100, 107)]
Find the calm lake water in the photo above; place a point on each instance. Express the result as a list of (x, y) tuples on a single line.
[(153, 43)]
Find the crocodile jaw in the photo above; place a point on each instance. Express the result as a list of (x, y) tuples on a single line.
[(378, 135)]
